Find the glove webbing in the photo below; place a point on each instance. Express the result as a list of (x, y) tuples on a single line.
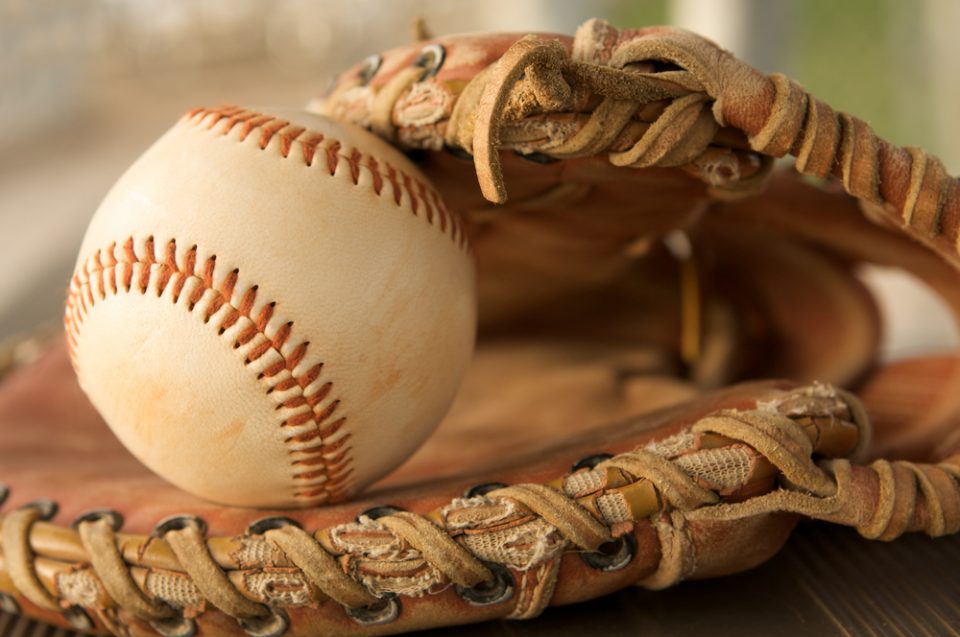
[(706, 89), (911, 497)]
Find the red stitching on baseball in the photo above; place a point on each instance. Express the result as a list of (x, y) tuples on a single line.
[(420, 195), (377, 177), (408, 184), (333, 156), (394, 180), (103, 270), (111, 275), (310, 147)]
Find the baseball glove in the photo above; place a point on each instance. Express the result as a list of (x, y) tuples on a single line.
[(641, 262)]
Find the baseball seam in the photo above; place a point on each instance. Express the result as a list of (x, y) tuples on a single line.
[(317, 442), (315, 147)]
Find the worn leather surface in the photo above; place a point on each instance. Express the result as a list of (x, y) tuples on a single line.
[(54, 445), (44, 415), (826, 581), (584, 306), (81, 466)]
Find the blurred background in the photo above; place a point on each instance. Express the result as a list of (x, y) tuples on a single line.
[(86, 85)]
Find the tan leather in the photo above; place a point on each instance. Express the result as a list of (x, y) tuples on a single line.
[(601, 331), (76, 446), (76, 440)]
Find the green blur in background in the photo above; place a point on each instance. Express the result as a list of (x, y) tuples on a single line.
[(87, 85)]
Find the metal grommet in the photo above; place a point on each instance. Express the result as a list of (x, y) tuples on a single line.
[(78, 618), (614, 555), (8, 604), (483, 489), (269, 524), (459, 153), (178, 626), (375, 614), (488, 594), (47, 508), (537, 158), (589, 462), (179, 522), (114, 519), (431, 58), (369, 67), (377, 512), (4, 493), (273, 625)]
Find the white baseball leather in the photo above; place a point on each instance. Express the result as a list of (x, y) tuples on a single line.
[(271, 309)]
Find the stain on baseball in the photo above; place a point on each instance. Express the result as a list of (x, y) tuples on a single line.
[(271, 308)]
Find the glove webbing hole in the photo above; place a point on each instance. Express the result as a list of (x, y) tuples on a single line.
[(382, 613), (500, 590), (369, 67), (483, 489), (589, 462), (47, 508), (114, 519), (269, 524), (273, 625), (78, 618), (179, 626), (612, 556), (178, 523), (377, 512), (431, 58), (8, 604)]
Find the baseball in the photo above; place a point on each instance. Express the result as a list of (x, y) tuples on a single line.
[(271, 308)]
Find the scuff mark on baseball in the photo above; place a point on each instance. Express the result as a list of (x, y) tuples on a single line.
[(272, 308)]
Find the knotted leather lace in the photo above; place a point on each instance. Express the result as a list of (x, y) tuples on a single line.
[(910, 497)]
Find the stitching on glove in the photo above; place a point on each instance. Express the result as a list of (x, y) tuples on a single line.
[(816, 414), (18, 557), (100, 543), (193, 554), (644, 82)]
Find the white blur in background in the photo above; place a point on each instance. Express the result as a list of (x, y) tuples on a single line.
[(86, 85)]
